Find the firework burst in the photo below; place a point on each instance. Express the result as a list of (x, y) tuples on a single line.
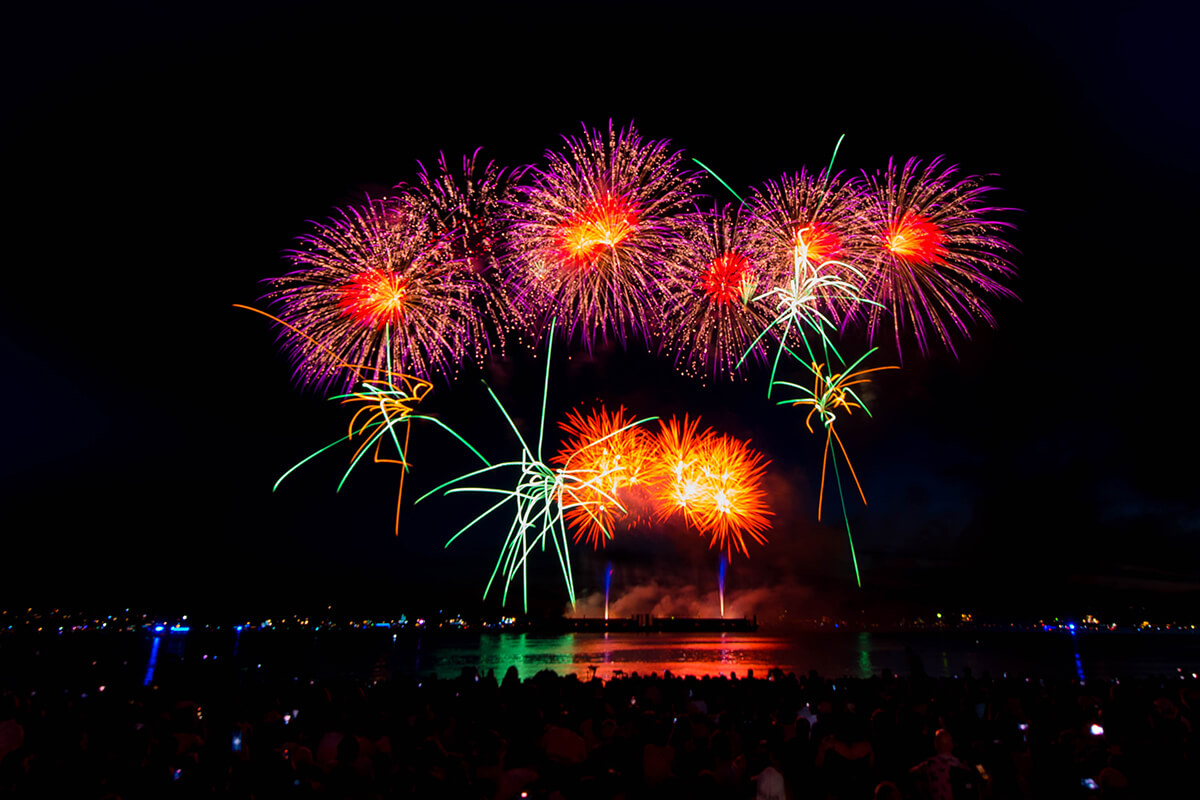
[(608, 457), (465, 209), (709, 310), (733, 503), (544, 497), (591, 232), (936, 251), (815, 219), (374, 282), (713, 481)]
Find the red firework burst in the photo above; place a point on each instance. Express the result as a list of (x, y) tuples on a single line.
[(726, 278), (591, 232), (374, 281), (936, 251), (816, 218), (586, 237), (708, 309), (375, 298)]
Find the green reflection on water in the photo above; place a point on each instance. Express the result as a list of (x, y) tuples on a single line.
[(864, 655)]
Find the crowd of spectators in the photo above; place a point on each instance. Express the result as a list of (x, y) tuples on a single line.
[(777, 736)]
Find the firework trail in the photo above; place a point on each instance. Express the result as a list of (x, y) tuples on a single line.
[(591, 231), (710, 318), (806, 227), (829, 394), (373, 283), (543, 497), (819, 214), (383, 401), (936, 251)]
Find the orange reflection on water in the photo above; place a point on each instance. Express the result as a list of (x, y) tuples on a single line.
[(616, 654)]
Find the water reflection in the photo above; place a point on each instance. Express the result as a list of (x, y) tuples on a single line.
[(607, 654), (153, 660), (864, 655)]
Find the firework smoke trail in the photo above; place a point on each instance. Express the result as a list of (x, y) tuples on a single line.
[(543, 497), (373, 283), (830, 393), (710, 317), (722, 565), (386, 401), (936, 250), (607, 585), (591, 231)]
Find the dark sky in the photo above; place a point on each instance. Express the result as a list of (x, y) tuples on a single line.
[(160, 157)]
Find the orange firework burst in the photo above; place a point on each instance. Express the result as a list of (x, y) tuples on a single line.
[(715, 481), (606, 458), (592, 233), (674, 474), (732, 502)]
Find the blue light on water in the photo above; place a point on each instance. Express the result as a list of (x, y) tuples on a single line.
[(180, 628), (159, 628), (153, 660)]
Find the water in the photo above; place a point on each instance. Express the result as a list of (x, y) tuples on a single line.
[(90, 660), (834, 653)]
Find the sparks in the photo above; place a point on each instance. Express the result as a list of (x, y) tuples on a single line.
[(608, 458), (375, 298), (914, 239), (596, 230)]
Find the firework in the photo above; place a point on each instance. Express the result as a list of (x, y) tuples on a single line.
[(609, 459), (709, 288), (675, 473), (807, 228), (543, 496), (831, 393), (714, 481), (936, 251), (591, 231), (465, 210), (373, 283), (798, 307), (383, 403), (816, 218)]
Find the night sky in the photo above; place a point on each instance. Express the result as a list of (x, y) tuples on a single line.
[(161, 157)]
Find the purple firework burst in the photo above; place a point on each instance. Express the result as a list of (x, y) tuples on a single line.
[(591, 231)]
